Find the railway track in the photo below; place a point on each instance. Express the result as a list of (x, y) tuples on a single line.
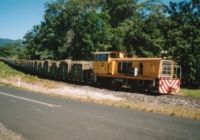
[(148, 97)]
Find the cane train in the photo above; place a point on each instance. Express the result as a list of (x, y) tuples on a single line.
[(110, 68)]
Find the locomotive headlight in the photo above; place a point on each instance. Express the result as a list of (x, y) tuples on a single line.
[(164, 53)]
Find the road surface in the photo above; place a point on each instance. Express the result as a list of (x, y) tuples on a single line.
[(41, 117)]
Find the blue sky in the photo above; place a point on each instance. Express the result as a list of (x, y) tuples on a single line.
[(19, 16)]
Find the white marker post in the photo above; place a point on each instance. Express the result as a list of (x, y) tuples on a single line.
[(18, 82)]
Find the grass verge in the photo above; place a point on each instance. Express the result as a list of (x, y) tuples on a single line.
[(7, 72), (195, 93)]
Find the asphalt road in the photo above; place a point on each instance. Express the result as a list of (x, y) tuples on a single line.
[(41, 117)]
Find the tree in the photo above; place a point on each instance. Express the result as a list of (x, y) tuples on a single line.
[(12, 51), (119, 10), (76, 28), (91, 34), (183, 38)]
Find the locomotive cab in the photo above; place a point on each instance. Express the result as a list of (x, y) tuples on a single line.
[(138, 73), (104, 64)]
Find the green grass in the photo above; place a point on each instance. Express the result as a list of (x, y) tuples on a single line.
[(6, 71), (195, 93)]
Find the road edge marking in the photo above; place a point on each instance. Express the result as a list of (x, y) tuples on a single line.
[(30, 100)]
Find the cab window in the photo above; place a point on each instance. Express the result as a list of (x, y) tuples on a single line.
[(101, 57), (177, 71), (166, 69)]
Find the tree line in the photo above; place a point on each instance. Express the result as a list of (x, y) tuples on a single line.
[(13, 50), (75, 29)]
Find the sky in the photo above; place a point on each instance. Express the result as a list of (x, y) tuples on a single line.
[(17, 17)]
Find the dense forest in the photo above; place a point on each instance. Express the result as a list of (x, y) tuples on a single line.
[(75, 29)]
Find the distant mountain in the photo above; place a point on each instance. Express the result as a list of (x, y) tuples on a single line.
[(4, 41)]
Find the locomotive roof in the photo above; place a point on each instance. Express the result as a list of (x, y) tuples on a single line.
[(136, 59), (109, 52)]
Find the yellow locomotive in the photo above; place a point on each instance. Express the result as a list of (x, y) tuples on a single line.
[(154, 74)]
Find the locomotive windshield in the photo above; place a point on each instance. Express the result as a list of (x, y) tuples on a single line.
[(101, 57), (166, 69)]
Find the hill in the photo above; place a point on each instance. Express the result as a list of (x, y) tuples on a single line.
[(4, 41)]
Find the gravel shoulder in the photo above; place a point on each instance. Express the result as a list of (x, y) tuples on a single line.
[(170, 100)]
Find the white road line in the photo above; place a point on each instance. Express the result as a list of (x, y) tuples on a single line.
[(30, 100)]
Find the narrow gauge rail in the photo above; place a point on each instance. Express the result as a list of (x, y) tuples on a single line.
[(109, 68)]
